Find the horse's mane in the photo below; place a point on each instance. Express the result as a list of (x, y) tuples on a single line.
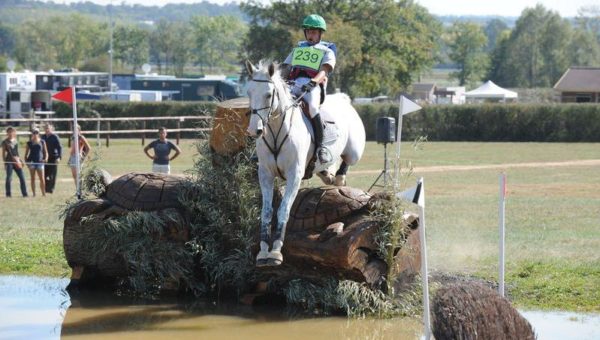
[(280, 85)]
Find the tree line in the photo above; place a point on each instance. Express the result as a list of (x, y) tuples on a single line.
[(383, 45)]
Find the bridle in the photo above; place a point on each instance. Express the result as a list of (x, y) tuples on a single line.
[(275, 149), (270, 107)]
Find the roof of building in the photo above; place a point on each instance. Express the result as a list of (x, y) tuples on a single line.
[(491, 90), (579, 79), (423, 87)]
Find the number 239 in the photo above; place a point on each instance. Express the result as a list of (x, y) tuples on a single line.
[(306, 56)]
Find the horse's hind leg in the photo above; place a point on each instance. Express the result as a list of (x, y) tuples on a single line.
[(340, 175)]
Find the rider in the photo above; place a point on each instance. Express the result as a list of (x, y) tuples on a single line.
[(311, 62)]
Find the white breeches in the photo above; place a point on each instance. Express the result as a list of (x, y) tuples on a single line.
[(312, 98)]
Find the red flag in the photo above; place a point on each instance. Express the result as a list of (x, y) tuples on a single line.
[(65, 95)]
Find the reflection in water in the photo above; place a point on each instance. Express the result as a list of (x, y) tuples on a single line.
[(39, 308), (32, 307), (564, 325)]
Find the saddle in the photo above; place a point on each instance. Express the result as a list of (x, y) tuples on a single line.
[(330, 134)]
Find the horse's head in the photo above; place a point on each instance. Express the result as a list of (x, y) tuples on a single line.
[(263, 94)]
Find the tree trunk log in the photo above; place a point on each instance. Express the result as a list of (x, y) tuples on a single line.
[(228, 134), (330, 232)]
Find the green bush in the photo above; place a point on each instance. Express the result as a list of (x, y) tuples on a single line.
[(493, 122)]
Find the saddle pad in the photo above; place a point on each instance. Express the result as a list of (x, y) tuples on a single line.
[(330, 132)]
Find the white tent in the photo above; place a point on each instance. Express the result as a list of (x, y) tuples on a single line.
[(489, 90)]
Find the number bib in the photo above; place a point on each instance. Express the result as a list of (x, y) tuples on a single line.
[(308, 57)]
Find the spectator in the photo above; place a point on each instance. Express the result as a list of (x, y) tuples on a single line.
[(162, 148), (54, 155), (12, 161), (36, 155), (84, 150)]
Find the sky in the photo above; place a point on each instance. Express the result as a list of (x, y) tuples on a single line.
[(566, 8)]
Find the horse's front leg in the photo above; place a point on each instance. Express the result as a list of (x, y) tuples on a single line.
[(283, 215), (266, 187)]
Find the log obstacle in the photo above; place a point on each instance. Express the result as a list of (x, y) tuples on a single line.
[(471, 310), (330, 232)]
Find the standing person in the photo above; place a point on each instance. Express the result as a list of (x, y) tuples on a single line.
[(309, 65), (54, 155), (162, 148), (84, 150), (12, 161), (36, 155)]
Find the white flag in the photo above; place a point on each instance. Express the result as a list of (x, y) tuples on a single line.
[(407, 106), (415, 194)]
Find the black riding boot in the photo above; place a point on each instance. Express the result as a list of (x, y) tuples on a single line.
[(322, 153)]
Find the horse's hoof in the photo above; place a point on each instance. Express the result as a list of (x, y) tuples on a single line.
[(326, 177), (273, 262), (262, 263), (275, 257), (340, 180)]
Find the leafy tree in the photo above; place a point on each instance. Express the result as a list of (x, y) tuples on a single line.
[(467, 49), (181, 49), (131, 45), (61, 41), (387, 42), (162, 40), (492, 30), (500, 71), (535, 53), (7, 40), (584, 49), (588, 19), (218, 40)]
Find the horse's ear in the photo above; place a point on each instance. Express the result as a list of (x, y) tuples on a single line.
[(271, 69), (250, 68)]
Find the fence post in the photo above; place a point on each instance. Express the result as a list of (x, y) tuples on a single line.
[(178, 132), (144, 133), (107, 134)]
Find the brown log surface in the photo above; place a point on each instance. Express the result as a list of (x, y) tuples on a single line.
[(471, 310), (330, 231), (228, 134)]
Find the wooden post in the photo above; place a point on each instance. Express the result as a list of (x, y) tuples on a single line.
[(143, 133), (107, 134), (178, 132)]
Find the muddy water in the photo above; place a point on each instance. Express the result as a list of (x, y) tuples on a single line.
[(39, 308)]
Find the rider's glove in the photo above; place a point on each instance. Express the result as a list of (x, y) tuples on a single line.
[(309, 86)]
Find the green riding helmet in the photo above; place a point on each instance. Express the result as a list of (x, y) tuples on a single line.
[(314, 21)]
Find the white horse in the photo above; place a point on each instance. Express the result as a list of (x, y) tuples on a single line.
[(285, 148)]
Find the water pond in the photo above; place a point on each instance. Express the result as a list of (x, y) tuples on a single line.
[(40, 308)]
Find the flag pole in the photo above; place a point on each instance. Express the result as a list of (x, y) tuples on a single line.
[(399, 134), (424, 270), (501, 227), (76, 144)]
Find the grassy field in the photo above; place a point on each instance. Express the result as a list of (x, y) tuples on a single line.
[(552, 235)]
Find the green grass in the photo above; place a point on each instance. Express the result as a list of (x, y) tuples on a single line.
[(552, 234)]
